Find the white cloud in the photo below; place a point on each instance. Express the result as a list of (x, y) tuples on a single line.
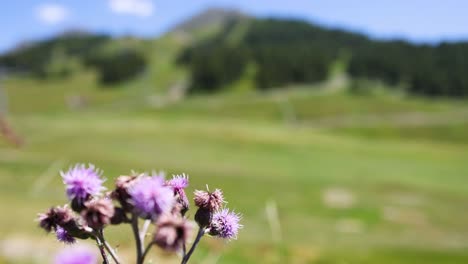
[(51, 13), (142, 8)]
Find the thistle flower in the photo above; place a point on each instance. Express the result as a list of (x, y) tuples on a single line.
[(172, 232), (211, 201), (179, 183), (208, 203), (63, 235), (98, 213), (150, 197), (76, 255), (62, 219), (225, 224), (82, 182), (55, 216)]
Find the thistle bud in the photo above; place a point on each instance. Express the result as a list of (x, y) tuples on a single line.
[(172, 232), (211, 201), (203, 217), (55, 216), (98, 213)]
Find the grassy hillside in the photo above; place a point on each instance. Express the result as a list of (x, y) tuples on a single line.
[(342, 197)]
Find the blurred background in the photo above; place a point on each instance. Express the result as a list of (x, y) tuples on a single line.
[(339, 129)]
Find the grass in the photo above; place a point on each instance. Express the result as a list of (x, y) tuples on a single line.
[(405, 181)]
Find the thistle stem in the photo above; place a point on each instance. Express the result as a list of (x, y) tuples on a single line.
[(201, 232), (109, 249), (136, 234), (100, 245), (147, 249)]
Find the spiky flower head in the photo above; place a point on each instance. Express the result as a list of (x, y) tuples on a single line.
[(225, 224), (98, 212), (55, 216), (82, 182), (179, 183), (63, 236), (76, 255), (150, 197), (172, 232), (211, 201)]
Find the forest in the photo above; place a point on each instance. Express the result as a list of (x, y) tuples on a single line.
[(292, 51), (60, 56)]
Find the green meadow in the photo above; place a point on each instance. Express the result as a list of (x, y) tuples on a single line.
[(320, 175)]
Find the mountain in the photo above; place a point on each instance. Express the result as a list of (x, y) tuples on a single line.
[(223, 47), (115, 59), (277, 52), (210, 18)]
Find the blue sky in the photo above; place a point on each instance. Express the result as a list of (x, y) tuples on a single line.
[(417, 20)]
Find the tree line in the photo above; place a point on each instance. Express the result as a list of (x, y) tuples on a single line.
[(60, 56), (293, 51)]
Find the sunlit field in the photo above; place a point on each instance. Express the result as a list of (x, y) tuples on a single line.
[(352, 178)]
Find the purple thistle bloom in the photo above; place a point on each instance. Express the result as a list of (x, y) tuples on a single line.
[(179, 182), (64, 236), (150, 197), (225, 224), (76, 255), (82, 182)]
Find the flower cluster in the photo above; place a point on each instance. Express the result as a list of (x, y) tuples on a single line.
[(160, 203), (212, 215)]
